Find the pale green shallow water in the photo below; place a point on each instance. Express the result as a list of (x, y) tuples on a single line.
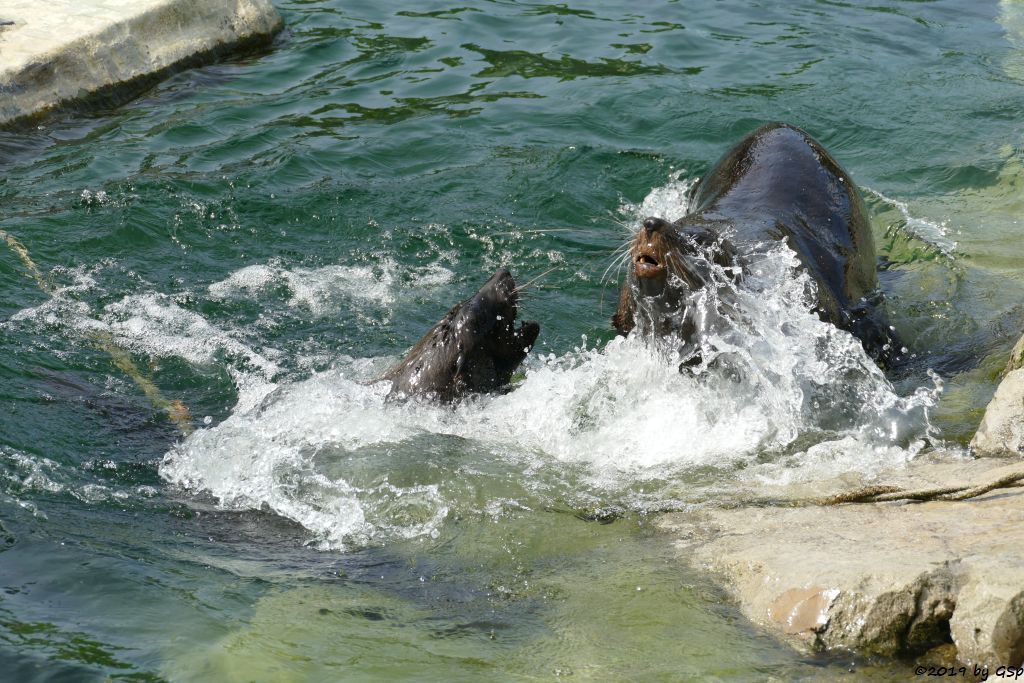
[(296, 219)]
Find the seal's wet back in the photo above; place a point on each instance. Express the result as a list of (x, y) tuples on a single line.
[(474, 347), (775, 184)]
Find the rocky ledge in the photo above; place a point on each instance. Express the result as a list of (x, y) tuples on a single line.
[(1002, 428), (879, 578), (895, 578), (60, 52)]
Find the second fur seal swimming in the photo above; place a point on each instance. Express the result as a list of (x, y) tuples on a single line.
[(777, 183), (475, 347)]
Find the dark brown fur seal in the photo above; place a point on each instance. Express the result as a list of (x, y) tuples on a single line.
[(474, 348), (776, 184)]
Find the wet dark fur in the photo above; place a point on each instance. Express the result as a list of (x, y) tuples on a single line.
[(475, 347), (777, 183)]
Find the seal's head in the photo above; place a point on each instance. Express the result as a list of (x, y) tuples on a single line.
[(668, 263), (475, 346)]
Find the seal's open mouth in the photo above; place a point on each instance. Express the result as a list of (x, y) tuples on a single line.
[(647, 264)]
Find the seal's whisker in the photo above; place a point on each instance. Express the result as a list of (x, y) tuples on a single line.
[(617, 265), (618, 260), (520, 288), (679, 264), (619, 268), (621, 249), (628, 226)]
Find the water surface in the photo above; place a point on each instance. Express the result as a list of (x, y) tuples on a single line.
[(265, 235)]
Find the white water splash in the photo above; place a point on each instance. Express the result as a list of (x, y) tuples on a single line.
[(322, 291), (318, 289), (22, 473), (929, 232), (322, 451), (155, 325), (669, 201), (778, 396)]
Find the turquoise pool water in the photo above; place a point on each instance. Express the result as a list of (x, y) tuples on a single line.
[(261, 237)]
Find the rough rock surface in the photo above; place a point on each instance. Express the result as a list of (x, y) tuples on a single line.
[(881, 578), (58, 51), (1016, 357), (1001, 431)]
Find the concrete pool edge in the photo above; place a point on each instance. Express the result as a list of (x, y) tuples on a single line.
[(99, 52), (891, 579)]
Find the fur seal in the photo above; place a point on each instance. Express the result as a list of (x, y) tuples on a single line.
[(475, 347), (777, 183)]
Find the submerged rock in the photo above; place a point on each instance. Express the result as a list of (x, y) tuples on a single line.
[(1001, 431), (888, 579)]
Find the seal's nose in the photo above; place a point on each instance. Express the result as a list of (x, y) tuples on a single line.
[(653, 225)]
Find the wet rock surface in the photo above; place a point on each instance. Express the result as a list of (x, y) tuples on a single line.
[(64, 51), (879, 578), (1001, 431)]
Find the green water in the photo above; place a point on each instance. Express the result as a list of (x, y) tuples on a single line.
[(294, 220)]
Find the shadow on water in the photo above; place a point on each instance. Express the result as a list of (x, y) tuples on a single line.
[(504, 63), (405, 108)]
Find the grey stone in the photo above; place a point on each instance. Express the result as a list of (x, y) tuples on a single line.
[(1016, 357), (888, 578), (61, 51), (1001, 431)]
